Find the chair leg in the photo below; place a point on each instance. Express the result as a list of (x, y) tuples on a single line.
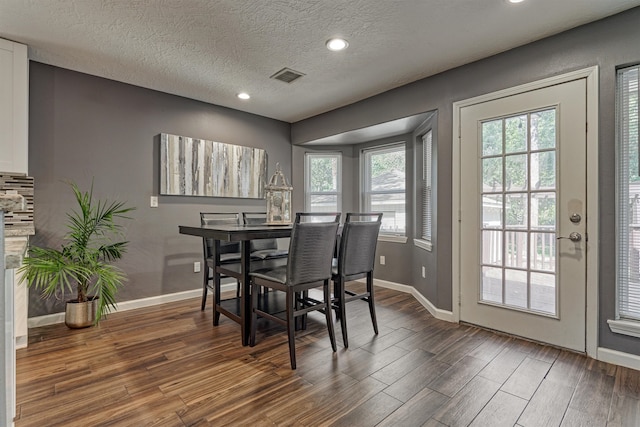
[(327, 312), (341, 298), (305, 295), (291, 326), (205, 288), (372, 307), (254, 315), (216, 298), (237, 288), (296, 307), (336, 300)]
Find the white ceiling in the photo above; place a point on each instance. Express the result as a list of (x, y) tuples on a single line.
[(210, 50)]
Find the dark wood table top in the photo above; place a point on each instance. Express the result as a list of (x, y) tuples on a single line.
[(236, 233)]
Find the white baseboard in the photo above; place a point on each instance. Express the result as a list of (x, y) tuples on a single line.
[(52, 319), (432, 309), (21, 342), (618, 358)]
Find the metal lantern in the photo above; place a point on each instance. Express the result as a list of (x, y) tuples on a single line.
[(278, 193)]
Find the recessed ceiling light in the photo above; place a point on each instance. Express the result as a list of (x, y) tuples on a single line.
[(516, 1), (337, 44), (244, 95)]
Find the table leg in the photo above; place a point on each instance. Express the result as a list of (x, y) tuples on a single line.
[(245, 303)]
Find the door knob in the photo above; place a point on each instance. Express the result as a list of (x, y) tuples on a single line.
[(573, 236)]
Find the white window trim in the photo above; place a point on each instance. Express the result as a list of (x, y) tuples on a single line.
[(307, 171), (392, 238), (383, 236), (625, 327), (423, 244)]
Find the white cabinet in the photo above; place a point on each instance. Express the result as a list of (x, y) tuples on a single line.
[(14, 113), (14, 107)]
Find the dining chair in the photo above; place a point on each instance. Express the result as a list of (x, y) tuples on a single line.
[(229, 252), (311, 248), (262, 248), (356, 260)]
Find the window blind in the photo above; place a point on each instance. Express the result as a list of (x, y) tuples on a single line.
[(628, 193), (427, 142)]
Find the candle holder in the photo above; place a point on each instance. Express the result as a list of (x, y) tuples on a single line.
[(278, 194)]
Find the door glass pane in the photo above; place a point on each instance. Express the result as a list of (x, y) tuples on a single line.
[(543, 251), (515, 134), (543, 129), (492, 211), (519, 212), (516, 211), (492, 138), (516, 249), (543, 211), (515, 288), (543, 292), (543, 170), (491, 284), (516, 172), (492, 174), (492, 247)]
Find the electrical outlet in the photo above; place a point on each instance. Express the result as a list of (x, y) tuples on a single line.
[(196, 267), (154, 201), (382, 260), (424, 272)]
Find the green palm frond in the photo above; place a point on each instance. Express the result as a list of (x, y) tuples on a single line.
[(82, 262)]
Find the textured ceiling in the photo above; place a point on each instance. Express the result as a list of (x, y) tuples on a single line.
[(210, 50)]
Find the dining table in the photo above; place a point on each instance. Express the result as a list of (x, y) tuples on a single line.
[(239, 308)]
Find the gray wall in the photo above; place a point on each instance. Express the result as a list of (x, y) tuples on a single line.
[(83, 127), (607, 43)]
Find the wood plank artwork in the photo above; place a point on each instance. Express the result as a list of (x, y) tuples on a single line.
[(198, 167), (168, 366)]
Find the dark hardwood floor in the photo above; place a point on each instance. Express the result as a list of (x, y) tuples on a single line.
[(168, 366)]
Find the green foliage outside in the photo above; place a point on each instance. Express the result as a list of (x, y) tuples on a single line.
[(505, 141), (324, 172), (387, 162)]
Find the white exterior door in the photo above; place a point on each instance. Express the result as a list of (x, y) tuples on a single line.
[(523, 214)]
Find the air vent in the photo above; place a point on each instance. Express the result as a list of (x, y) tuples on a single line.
[(287, 75)]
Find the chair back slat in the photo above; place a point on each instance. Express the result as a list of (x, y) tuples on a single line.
[(311, 248), (358, 243), (259, 218), (219, 218)]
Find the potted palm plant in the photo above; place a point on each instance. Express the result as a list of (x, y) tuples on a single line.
[(83, 263)]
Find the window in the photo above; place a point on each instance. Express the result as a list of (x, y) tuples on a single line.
[(628, 193), (427, 147), (323, 182), (384, 186)]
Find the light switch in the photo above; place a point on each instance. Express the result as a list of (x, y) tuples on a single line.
[(154, 201)]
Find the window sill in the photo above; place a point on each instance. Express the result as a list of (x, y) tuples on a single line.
[(391, 238), (424, 244), (625, 327)]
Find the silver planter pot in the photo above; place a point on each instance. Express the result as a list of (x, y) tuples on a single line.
[(80, 314)]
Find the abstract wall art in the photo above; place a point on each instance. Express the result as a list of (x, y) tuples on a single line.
[(197, 167)]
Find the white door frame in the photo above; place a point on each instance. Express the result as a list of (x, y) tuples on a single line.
[(591, 76)]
